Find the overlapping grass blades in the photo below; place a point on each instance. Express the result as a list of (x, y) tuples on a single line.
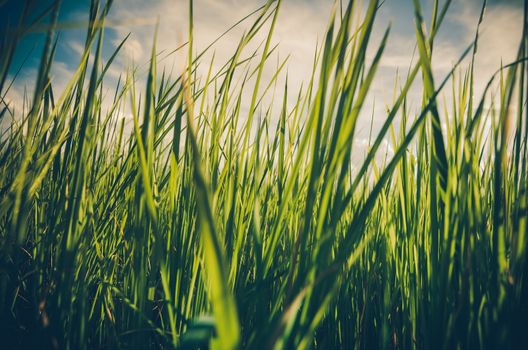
[(205, 226)]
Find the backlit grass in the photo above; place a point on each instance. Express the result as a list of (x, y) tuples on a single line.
[(205, 226)]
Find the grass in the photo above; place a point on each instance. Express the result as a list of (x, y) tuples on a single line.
[(204, 227)]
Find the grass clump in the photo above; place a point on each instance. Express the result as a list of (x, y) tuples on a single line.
[(205, 227)]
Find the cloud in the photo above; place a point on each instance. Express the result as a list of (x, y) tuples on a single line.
[(300, 26)]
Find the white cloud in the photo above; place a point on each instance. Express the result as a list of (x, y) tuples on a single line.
[(301, 24)]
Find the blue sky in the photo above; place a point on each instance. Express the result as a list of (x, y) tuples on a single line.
[(300, 25)]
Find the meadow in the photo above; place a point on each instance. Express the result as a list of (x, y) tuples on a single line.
[(206, 226)]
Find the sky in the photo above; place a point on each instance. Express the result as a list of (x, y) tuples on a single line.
[(300, 26)]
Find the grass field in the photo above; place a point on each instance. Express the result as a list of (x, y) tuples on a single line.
[(203, 226)]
